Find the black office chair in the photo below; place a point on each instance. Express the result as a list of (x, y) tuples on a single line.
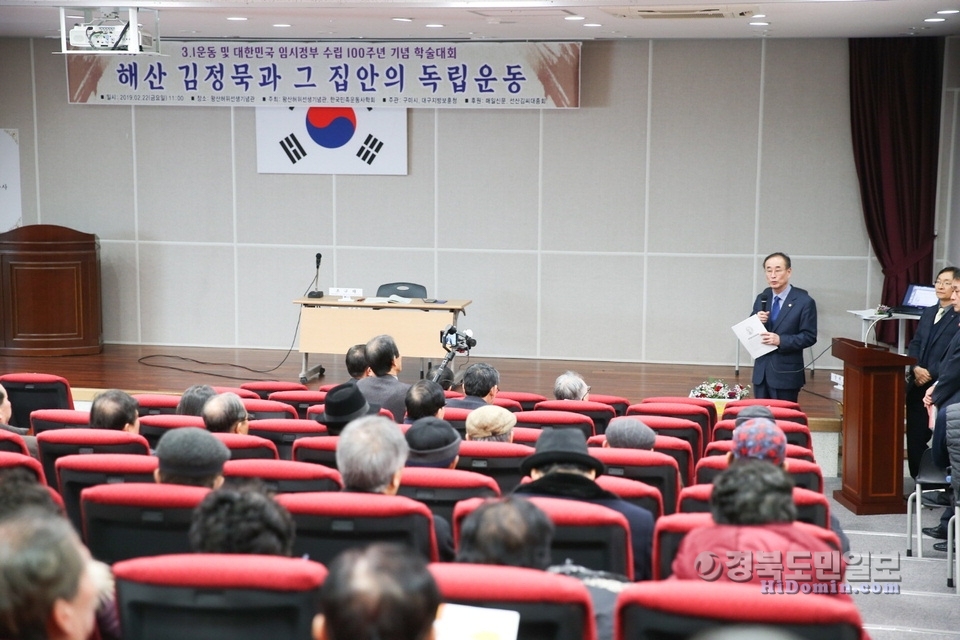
[(404, 289)]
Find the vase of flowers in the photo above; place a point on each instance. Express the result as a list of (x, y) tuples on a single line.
[(719, 390)]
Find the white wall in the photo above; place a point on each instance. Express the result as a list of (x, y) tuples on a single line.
[(630, 229)]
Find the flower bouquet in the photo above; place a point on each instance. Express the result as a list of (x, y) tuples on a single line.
[(719, 390)]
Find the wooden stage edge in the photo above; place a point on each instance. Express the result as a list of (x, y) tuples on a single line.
[(128, 367)]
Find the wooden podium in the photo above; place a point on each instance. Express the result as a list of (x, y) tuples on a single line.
[(49, 292), (873, 415)]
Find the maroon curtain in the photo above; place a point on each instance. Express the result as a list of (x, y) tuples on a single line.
[(895, 123)]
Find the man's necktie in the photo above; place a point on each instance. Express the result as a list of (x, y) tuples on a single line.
[(940, 313), (775, 311)]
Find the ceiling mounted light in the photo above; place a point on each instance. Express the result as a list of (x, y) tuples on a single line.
[(434, 26), (592, 24), (574, 18), (947, 12), (760, 15), (281, 26), (402, 19), (236, 18), (935, 20)]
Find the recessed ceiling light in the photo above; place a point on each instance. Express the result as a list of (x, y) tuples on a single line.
[(574, 18), (759, 24), (237, 18), (760, 15), (592, 24), (434, 26), (402, 19), (947, 12), (935, 20), (281, 26)]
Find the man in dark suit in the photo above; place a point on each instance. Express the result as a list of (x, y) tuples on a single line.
[(937, 326), (790, 316), (383, 387)]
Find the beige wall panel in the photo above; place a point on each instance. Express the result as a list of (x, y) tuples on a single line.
[(118, 287), (369, 268), (267, 317), (16, 112)]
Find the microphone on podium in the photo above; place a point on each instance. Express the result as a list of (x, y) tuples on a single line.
[(316, 293)]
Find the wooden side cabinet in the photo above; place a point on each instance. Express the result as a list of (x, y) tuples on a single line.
[(50, 300)]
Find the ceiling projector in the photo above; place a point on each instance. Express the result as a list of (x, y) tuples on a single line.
[(106, 36)]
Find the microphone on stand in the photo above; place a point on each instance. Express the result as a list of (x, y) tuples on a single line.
[(316, 293)]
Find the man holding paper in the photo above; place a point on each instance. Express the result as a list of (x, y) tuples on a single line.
[(789, 315)]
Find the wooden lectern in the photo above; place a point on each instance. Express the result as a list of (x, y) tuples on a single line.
[(49, 292), (873, 414)]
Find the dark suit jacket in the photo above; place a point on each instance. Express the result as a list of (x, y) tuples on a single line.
[(467, 402), (930, 342), (386, 391), (797, 327), (948, 384)]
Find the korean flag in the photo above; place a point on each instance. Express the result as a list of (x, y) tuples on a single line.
[(332, 140)]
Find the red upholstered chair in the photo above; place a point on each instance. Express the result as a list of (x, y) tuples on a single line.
[(695, 498), (329, 523), (682, 428), (709, 468), (599, 412), (723, 447), (551, 607), (526, 435), (8, 459), (527, 400), (618, 403), (13, 443), (457, 418), (45, 419), (243, 447), (805, 474), (639, 493), (499, 460), (326, 387), (452, 394), (683, 608), (668, 532), (677, 410), (132, 520), (240, 596), (543, 419), (300, 400), (316, 450), (152, 427), (268, 409), (652, 467), (284, 476), (812, 507), (64, 442), (31, 391), (590, 535), (706, 403), (152, 404), (314, 412), (765, 402), (284, 432), (798, 434), (779, 413), (264, 388), (245, 394), (676, 448), (441, 489), (77, 472), (508, 404)]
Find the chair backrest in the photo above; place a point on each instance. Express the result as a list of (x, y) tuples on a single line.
[(678, 410), (681, 451), (544, 419), (779, 413), (200, 596), (508, 404), (31, 391), (45, 419), (441, 489), (812, 507), (765, 402), (266, 409), (284, 476), (723, 447), (457, 417), (153, 426), (315, 412), (706, 403), (329, 523), (634, 491), (64, 442), (678, 428), (619, 403), (402, 289), (283, 432), (600, 413), (805, 474), (590, 535), (527, 400), (264, 388), (551, 607), (10, 459), (77, 472), (152, 404), (13, 443), (682, 608), (131, 520), (668, 532), (709, 468), (652, 467), (526, 435), (245, 394), (499, 460), (300, 400), (798, 434), (244, 446), (316, 450)]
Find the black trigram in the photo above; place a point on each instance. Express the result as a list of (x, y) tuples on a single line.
[(369, 149), (292, 147)]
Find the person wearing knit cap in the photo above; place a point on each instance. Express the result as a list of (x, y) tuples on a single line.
[(753, 411), (191, 456), (433, 443), (629, 433), (490, 423)]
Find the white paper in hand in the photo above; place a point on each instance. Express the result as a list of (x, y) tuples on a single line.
[(750, 332)]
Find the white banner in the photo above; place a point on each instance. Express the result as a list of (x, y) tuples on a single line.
[(499, 75), (333, 140)]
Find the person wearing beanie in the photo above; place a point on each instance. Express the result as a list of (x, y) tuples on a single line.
[(753, 411), (629, 433), (490, 423), (562, 467), (191, 456), (433, 443)]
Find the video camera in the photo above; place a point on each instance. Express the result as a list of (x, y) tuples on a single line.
[(452, 339)]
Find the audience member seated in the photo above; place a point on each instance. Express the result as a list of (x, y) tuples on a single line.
[(753, 411), (191, 456), (371, 454), (6, 411), (115, 409), (225, 413), (491, 423), (192, 401), (480, 384), (447, 379), (381, 592), (561, 467), (424, 399), (571, 386), (356, 361), (383, 387), (433, 443), (629, 433), (754, 514), (241, 520), (514, 532), (343, 404)]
